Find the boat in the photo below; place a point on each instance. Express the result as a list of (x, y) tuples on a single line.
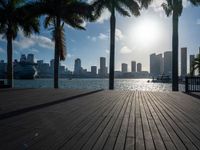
[(162, 79)]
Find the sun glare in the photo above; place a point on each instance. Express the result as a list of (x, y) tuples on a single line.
[(145, 33)]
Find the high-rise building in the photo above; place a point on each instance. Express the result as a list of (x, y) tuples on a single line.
[(156, 64), (133, 66), (192, 57), (102, 71), (183, 61), (139, 67), (23, 58), (168, 63), (77, 67), (94, 70), (39, 62), (30, 58), (124, 67)]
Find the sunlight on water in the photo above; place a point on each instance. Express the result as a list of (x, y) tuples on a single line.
[(120, 84)]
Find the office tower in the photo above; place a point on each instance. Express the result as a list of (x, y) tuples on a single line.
[(102, 71), (30, 58), (40, 62), (23, 58), (168, 63), (156, 65), (94, 70), (192, 57), (153, 63), (77, 67), (133, 66), (183, 61), (139, 67), (160, 63), (124, 67)]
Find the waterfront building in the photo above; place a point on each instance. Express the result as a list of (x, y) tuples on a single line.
[(183, 61), (124, 67), (94, 70), (133, 66), (77, 67), (156, 65), (23, 58), (102, 70), (192, 57), (139, 67), (30, 58), (168, 63)]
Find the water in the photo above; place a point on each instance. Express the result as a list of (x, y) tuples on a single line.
[(120, 84)]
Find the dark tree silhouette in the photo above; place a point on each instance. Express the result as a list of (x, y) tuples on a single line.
[(57, 14), (123, 7), (13, 17), (174, 8)]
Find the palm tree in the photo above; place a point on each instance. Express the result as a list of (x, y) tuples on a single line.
[(174, 8), (123, 7), (195, 65), (13, 17), (57, 14)]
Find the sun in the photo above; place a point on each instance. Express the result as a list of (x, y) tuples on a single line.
[(145, 33)]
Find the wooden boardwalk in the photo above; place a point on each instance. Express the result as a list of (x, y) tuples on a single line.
[(105, 120)]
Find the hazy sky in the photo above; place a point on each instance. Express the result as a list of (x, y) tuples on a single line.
[(136, 38)]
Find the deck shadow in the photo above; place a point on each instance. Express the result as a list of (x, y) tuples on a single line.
[(195, 95), (40, 106)]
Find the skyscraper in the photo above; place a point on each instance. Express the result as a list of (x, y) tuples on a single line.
[(94, 70), (156, 64), (192, 57), (30, 58), (77, 67), (102, 71), (124, 67), (139, 67), (133, 66), (168, 63), (23, 58), (183, 61)]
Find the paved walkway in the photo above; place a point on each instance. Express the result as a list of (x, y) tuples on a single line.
[(105, 120)]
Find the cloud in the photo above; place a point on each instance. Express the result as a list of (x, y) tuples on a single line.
[(107, 51), (34, 40), (70, 56), (118, 34), (102, 36), (156, 6), (198, 21), (2, 50), (125, 50), (92, 38), (104, 16)]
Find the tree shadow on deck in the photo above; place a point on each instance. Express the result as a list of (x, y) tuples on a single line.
[(195, 95)]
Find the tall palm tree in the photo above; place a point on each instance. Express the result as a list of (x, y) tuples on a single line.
[(13, 17), (123, 7), (195, 65), (174, 8), (57, 14)]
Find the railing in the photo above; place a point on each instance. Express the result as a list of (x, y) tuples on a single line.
[(192, 84)]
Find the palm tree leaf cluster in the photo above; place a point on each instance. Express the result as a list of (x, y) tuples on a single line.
[(195, 65), (173, 6), (13, 17)]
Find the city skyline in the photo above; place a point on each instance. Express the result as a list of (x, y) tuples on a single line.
[(95, 40)]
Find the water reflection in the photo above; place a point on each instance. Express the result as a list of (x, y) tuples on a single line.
[(120, 84)]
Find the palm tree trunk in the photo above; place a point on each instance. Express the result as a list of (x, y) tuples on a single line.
[(175, 43), (112, 49), (56, 56), (9, 61)]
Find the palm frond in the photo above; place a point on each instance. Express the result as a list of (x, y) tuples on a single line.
[(167, 8)]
